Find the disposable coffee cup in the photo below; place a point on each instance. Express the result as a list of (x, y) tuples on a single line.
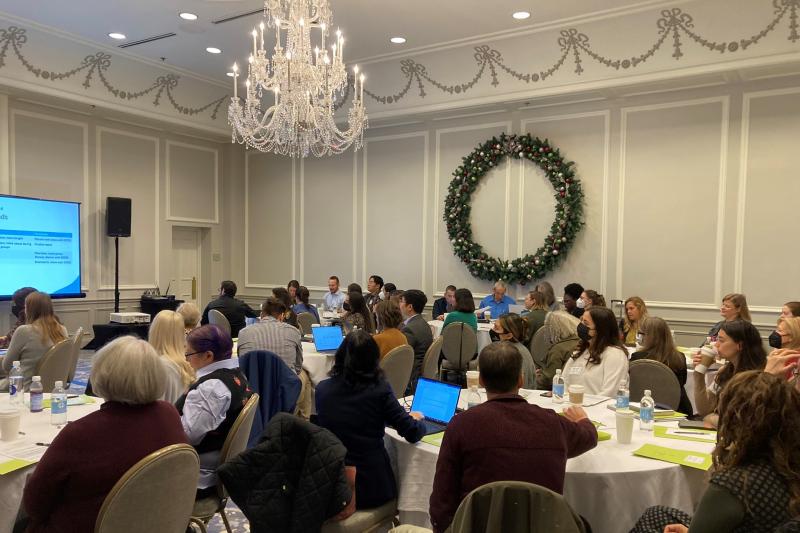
[(9, 424), (473, 378), (576, 394), (624, 425), (487, 315), (706, 360)]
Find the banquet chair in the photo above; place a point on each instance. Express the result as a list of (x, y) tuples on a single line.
[(235, 443), (218, 319), (459, 347), (515, 507), (305, 320), (656, 377), (138, 501), (365, 520), (539, 346), (55, 365), (397, 365), (430, 365), (75, 354)]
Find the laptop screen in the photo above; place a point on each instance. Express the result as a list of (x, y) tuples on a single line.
[(436, 400), (327, 338)]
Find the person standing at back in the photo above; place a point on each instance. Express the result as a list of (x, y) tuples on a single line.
[(416, 329), (227, 304)]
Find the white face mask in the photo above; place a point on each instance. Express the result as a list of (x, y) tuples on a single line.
[(580, 303), (382, 295)]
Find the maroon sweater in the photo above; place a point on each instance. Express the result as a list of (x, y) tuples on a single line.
[(82, 464), (504, 439)]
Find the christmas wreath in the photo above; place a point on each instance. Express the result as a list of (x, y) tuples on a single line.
[(563, 231)]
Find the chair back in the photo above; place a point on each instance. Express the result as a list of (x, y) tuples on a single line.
[(658, 378), (75, 354), (55, 364), (539, 346), (397, 365), (515, 507), (430, 365), (460, 345), (305, 320), (236, 441), (166, 475), (218, 319)]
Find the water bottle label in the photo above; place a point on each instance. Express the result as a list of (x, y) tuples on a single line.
[(12, 388), (646, 415), (623, 402), (58, 406), (558, 390), (36, 402)]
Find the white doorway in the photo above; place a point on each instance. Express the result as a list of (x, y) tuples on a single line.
[(186, 266)]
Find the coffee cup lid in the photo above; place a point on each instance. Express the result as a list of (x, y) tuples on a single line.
[(576, 388), (624, 412)]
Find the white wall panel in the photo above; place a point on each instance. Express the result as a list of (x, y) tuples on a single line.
[(192, 183)]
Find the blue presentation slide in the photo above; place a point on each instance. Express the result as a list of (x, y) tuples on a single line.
[(40, 246)]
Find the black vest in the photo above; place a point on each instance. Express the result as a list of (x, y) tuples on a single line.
[(240, 393)]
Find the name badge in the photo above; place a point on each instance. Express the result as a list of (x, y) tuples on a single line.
[(575, 370)]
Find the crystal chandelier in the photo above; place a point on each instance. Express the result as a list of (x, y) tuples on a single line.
[(291, 98)]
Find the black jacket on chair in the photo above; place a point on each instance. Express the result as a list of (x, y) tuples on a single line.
[(292, 480)]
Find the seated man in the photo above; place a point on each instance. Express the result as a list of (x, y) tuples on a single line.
[(497, 302), (274, 334), (234, 310), (445, 304), (375, 289), (334, 298), (526, 443), (416, 329)]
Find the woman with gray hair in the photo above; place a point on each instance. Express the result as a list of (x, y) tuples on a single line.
[(91, 454), (561, 329)]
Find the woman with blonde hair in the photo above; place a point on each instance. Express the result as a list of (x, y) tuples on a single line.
[(635, 312), (30, 342), (561, 328), (549, 296), (536, 311), (169, 340), (191, 315), (734, 307)]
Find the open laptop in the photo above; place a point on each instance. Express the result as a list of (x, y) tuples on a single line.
[(437, 401), (327, 338)]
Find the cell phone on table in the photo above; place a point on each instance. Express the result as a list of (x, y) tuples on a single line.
[(693, 424), (546, 394)]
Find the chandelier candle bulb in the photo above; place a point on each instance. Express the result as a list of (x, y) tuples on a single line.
[(361, 92), (277, 34), (261, 26), (255, 34)]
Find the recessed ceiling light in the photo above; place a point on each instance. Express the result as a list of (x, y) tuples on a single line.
[(188, 16), (212, 50), (229, 74), (521, 15), (398, 40), (117, 36)]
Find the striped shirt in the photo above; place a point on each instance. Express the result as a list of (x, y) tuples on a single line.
[(276, 337)]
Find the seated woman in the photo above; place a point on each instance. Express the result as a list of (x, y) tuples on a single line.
[(358, 316), (790, 309), (513, 328), (464, 310), (18, 310), (389, 319), (754, 485), (561, 328), (535, 303), (657, 345), (292, 288), (734, 307), (283, 295), (66, 490), (356, 404), (549, 296), (601, 361), (214, 400), (31, 341), (590, 298), (635, 312), (302, 305), (169, 340), (191, 316), (787, 335), (739, 344)]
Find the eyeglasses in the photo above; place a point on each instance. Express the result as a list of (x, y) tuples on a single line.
[(188, 355)]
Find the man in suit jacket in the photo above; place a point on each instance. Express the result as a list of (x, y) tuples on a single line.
[(416, 330), (445, 304), (234, 310)]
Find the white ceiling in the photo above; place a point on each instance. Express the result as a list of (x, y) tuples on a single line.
[(367, 24)]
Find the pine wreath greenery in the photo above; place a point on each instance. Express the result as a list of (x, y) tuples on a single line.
[(565, 228)]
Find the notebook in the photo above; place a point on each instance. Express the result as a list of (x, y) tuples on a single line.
[(437, 401), (327, 338)]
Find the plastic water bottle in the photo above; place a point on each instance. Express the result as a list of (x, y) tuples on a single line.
[(473, 398), (58, 405), (647, 409), (558, 387), (15, 388), (623, 394), (37, 394)]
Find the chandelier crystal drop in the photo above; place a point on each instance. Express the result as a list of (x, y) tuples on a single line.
[(291, 98)]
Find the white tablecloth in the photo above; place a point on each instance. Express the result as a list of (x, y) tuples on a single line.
[(36, 428), (316, 364), (483, 332), (607, 485)]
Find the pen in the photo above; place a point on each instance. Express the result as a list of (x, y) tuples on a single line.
[(43, 444), (691, 433)]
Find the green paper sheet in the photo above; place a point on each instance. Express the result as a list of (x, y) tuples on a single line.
[(698, 460), (80, 400), (602, 435), (14, 464), (661, 431), (434, 439)]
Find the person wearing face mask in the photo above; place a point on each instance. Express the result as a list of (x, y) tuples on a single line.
[(654, 341), (787, 335), (18, 309), (739, 344), (601, 361)]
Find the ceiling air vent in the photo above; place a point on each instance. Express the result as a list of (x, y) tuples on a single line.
[(148, 40), (239, 16)]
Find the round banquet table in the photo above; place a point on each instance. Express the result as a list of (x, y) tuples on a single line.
[(483, 332), (36, 428), (316, 364), (608, 485)]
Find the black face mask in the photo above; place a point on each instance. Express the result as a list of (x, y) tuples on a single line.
[(775, 339), (583, 332), (15, 309)]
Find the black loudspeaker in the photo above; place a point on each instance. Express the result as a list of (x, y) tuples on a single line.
[(118, 217)]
